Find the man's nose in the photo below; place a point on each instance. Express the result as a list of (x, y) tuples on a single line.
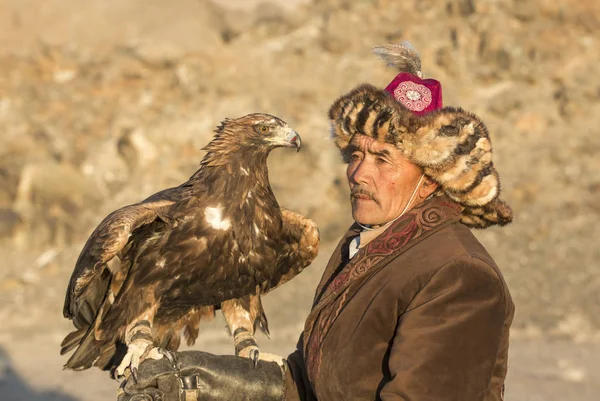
[(361, 173)]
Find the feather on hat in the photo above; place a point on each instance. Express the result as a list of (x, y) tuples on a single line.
[(450, 144)]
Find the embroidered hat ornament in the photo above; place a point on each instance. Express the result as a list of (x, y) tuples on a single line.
[(451, 145), (420, 96)]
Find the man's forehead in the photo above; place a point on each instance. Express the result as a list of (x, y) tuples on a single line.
[(367, 144)]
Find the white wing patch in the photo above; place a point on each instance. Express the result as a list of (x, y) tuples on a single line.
[(214, 217)]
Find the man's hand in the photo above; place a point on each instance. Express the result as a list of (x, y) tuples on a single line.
[(204, 377)]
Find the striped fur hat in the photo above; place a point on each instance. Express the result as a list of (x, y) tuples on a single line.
[(451, 145)]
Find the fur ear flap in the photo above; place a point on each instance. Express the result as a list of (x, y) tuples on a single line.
[(445, 135), (454, 148), (494, 213)]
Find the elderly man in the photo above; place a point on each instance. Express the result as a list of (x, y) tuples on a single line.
[(411, 306)]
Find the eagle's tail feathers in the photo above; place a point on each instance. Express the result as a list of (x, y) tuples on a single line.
[(90, 351), (86, 354), (111, 356), (72, 340), (175, 341)]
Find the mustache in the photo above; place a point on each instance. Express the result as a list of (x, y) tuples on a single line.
[(361, 190)]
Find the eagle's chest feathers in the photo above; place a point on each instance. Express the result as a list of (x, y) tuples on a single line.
[(215, 219), (227, 236), (238, 221), (242, 222), (220, 250)]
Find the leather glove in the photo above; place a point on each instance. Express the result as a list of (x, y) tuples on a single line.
[(196, 375)]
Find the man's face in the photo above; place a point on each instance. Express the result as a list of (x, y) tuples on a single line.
[(381, 180)]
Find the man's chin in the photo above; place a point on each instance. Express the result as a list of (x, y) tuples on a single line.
[(364, 216)]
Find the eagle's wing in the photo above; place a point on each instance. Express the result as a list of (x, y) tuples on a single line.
[(300, 247), (107, 240)]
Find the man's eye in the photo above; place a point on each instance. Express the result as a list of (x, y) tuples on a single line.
[(381, 160), (354, 156)]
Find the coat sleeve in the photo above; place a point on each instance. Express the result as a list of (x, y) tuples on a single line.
[(449, 336), (297, 385)]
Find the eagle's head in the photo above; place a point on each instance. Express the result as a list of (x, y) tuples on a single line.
[(248, 140), (261, 131)]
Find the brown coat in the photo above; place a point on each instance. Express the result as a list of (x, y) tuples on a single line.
[(421, 313)]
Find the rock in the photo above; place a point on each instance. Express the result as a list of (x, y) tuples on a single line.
[(531, 122), (9, 179), (524, 10), (10, 222), (62, 76), (48, 197), (106, 168), (502, 98), (54, 183), (158, 54), (135, 149), (46, 258)]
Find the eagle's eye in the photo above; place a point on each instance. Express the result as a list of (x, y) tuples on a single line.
[(263, 129)]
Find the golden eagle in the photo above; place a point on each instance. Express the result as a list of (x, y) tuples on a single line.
[(219, 240)]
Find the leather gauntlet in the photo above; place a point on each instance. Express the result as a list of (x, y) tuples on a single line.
[(195, 375)]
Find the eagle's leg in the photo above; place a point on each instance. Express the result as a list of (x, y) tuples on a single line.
[(140, 345), (242, 316), (241, 326)]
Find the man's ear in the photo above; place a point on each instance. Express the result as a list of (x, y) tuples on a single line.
[(427, 188)]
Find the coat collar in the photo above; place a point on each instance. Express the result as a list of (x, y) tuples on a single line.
[(397, 237), (342, 280)]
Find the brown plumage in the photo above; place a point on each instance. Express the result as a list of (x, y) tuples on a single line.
[(451, 145), (151, 271)]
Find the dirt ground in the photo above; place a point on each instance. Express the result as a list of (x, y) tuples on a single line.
[(103, 102)]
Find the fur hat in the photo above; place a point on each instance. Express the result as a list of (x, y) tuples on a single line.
[(451, 145)]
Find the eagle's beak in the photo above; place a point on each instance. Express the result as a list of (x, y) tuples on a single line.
[(294, 140), (288, 138)]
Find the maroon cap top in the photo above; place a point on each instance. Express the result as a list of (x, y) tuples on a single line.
[(421, 96)]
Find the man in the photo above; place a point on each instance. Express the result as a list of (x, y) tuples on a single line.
[(411, 306)]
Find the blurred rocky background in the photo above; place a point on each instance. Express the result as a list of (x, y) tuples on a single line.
[(103, 102)]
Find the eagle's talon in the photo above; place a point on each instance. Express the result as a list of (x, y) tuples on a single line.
[(255, 356), (251, 352), (134, 374), (170, 356), (135, 351), (121, 379)]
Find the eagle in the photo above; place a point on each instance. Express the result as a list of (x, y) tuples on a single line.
[(152, 270)]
